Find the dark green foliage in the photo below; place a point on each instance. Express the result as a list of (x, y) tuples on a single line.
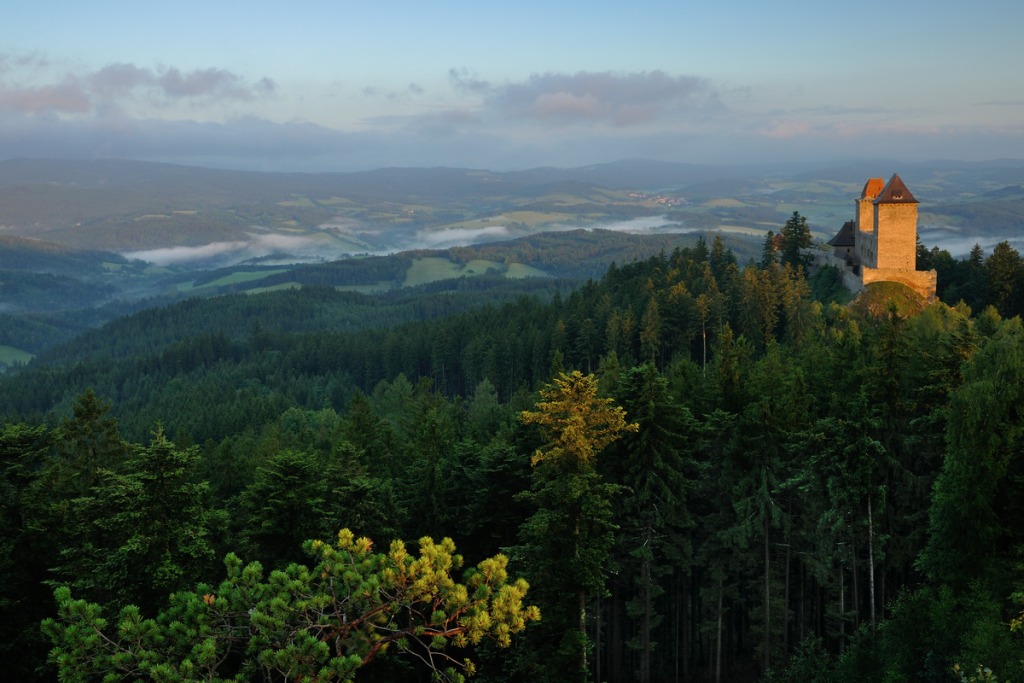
[(928, 632), (810, 663), (25, 550), (797, 468), (565, 547), (827, 285), (975, 515), (656, 466), (284, 505), (143, 531), (1005, 279), (794, 237)]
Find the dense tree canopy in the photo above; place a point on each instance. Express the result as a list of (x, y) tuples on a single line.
[(703, 471)]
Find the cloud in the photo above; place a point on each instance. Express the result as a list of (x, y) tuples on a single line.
[(217, 84), (463, 79), (619, 99), (125, 110), (831, 110), (788, 129), (410, 91), (66, 97), (25, 62), (114, 85)]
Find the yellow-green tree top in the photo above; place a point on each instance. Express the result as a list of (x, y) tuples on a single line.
[(577, 423), (318, 623)]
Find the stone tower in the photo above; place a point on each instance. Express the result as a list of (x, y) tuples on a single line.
[(884, 240), (867, 244), (895, 212)]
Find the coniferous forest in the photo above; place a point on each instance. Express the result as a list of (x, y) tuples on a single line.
[(690, 469)]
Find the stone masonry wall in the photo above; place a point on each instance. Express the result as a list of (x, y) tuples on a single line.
[(896, 228), (864, 236), (921, 281)]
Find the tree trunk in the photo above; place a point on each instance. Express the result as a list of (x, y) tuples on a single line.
[(704, 336), (683, 667), (855, 594), (785, 606), (615, 638), (767, 594), (645, 627), (871, 563), (581, 605), (581, 599), (597, 642), (802, 613), (842, 609), (718, 636)]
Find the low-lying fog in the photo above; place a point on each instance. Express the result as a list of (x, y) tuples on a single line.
[(959, 246), (301, 248), (332, 242)]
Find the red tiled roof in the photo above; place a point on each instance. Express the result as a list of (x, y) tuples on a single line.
[(872, 188)]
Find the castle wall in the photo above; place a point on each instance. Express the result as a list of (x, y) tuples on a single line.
[(850, 279), (896, 234), (921, 281), (864, 237)]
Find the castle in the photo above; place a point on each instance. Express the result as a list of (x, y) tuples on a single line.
[(880, 244)]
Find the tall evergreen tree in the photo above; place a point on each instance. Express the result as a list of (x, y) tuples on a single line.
[(652, 464), (568, 539), (151, 515), (769, 250), (1005, 276), (795, 236)]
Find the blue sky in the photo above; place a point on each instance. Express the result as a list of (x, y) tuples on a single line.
[(354, 85)]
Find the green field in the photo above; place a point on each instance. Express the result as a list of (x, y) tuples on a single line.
[(431, 269), (724, 203), (521, 270), (232, 279), (434, 268), (9, 355)]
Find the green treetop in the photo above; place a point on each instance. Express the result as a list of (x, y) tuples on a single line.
[(318, 623)]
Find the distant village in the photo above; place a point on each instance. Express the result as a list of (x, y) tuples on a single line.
[(659, 199)]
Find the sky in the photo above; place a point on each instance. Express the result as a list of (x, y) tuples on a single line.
[(341, 86)]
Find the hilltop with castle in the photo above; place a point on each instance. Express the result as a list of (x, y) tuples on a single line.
[(880, 244)]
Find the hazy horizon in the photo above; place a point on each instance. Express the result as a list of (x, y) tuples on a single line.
[(323, 86)]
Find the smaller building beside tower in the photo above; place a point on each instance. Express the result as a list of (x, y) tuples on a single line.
[(880, 243)]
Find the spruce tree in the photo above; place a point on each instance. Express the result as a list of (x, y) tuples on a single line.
[(567, 541), (796, 235)]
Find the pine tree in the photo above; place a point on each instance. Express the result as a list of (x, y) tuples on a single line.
[(323, 622)]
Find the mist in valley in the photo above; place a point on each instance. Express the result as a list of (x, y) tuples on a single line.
[(335, 241)]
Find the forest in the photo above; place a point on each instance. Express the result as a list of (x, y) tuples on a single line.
[(689, 469)]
